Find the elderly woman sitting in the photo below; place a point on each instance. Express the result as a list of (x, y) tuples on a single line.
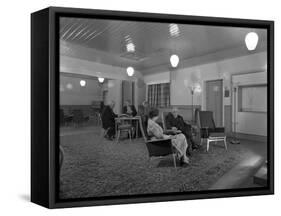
[(178, 141)]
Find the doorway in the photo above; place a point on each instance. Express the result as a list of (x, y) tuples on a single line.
[(214, 103)]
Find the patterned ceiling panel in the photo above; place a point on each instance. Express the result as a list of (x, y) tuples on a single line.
[(146, 45)]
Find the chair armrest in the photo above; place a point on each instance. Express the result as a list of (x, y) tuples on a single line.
[(206, 129), (172, 132), (159, 140), (219, 129)]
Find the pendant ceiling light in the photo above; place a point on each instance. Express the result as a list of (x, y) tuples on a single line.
[(130, 46), (69, 86), (101, 79), (251, 40), (82, 83), (174, 60), (130, 71), (174, 30)]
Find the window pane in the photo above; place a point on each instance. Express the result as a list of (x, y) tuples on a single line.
[(253, 99)]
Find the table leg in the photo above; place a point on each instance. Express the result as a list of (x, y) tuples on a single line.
[(137, 129), (116, 131)]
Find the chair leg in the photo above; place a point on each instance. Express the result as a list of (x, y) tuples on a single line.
[(174, 159), (225, 144), (102, 133), (130, 135), (208, 142), (118, 136)]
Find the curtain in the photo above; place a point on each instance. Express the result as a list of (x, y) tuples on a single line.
[(159, 95)]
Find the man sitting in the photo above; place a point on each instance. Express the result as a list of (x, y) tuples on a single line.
[(174, 121), (108, 120), (129, 109), (143, 112)]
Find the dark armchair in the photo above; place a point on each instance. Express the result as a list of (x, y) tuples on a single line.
[(78, 117), (157, 147), (65, 119), (208, 129)]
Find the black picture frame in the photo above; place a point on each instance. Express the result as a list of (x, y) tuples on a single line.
[(45, 106)]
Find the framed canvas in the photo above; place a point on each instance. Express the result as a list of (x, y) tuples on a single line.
[(138, 107)]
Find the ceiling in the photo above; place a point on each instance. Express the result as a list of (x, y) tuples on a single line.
[(153, 43)]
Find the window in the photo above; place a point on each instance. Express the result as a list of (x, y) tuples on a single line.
[(252, 98), (159, 95)]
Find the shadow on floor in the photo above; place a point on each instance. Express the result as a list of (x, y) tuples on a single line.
[(25, 197)]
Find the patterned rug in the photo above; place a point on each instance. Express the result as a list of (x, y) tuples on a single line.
[(95, 167)]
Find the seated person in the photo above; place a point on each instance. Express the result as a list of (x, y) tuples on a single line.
[(129, 109), (144, 108), (108, 119), (101, 107), (143, 111), (178, 141), (174, 121)]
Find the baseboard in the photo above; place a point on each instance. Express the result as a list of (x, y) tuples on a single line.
[(248, 137)]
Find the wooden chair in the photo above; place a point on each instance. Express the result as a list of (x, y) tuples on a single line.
[(208, 129), (64, 119), (98, 117), (78, 117), (158, 147), (123, 126)]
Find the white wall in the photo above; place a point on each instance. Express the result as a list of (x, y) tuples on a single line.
[(182, 79), (71, 93), (249, 122), (115, 93), (85, 67), (162, 77)]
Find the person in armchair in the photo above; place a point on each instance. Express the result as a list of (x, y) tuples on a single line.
[(129, 109), (174, 121), (155, 131), (108, 119)]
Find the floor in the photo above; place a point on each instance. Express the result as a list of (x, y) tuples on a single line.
[(96, 167), (241, 176)]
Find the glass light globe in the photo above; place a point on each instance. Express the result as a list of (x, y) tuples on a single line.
[(101, 79), (251, 40), (82, 83), (174, 60), (130, 71), (69, 86)]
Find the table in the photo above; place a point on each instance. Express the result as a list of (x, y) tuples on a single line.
[(131, 119)]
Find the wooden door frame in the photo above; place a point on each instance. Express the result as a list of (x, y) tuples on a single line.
[(205, 95)]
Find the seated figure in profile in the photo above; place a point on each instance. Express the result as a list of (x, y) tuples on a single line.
[(175, 122), (144, 108), (108, 120), (143, 112), (155, 131), (129, 109)]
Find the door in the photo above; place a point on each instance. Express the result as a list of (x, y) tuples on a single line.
[(214, 93), (128, 92)]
